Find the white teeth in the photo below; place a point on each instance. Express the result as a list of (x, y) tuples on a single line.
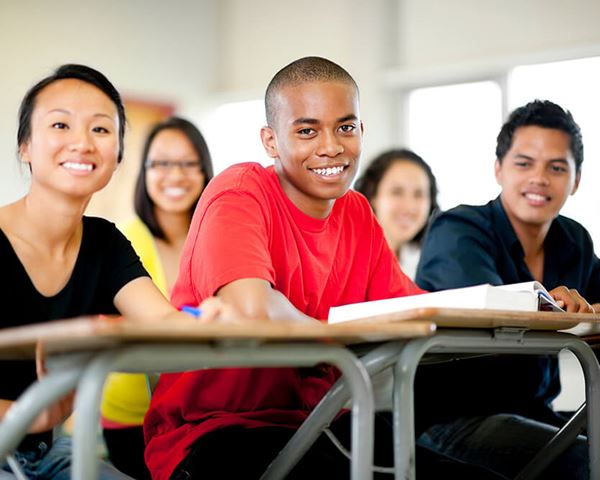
[(535, 197), (329, 171), (174, 191), (86, 167)]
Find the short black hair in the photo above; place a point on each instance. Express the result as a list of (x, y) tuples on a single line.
[(368, 182), (545, 114), (143, 204), (303, 70), (64, 72)]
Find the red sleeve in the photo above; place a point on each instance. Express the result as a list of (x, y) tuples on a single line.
[(387, 279), (232, 243)]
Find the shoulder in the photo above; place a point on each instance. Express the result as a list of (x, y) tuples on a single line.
[(241, 176), (576, 232), (465, 218), (354, 203), (101, 234)]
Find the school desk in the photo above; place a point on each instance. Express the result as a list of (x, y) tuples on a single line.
[(81, 352), (462, 331)]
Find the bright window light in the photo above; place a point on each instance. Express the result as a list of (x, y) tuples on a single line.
[(574, 86), (454, 129), (233, 134)]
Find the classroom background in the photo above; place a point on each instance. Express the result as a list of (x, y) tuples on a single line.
[(436, 76)]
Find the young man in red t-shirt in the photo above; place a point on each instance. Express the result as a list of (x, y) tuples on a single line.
[(285, 242)]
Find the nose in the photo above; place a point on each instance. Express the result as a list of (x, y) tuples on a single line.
[(329, 145), (176, 170), (539, 175), (81, 140)]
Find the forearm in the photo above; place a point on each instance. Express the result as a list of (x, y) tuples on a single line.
[(4, 407), (257, 300)]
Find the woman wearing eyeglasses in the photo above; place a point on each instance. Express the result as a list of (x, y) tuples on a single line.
[(176, 166)]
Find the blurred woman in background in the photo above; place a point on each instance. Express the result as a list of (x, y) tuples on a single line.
[(402, 191), (176, 166)]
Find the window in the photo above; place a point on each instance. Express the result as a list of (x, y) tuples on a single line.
[(574, 86), (233, 134), (454, 129)]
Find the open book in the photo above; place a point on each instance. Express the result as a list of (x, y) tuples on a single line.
[(526, 296)]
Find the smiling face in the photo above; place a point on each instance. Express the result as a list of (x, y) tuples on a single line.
[(174, 179), (537, 175), (316, 142), (402, 202), (74, 144)]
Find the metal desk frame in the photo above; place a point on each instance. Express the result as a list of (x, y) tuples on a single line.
[(404, 357), (88, 372)]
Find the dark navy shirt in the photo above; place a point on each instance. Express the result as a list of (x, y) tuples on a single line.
[(470, 245)]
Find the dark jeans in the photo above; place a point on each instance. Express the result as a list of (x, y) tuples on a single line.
[(505, 444), (126, 450), (237, 452)]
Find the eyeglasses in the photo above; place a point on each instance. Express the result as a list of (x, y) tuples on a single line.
[(163, 166)]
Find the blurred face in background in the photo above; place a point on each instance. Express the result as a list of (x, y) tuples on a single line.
[(402, 202), (174, 178)]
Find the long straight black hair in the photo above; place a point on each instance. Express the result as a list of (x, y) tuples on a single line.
[(143, 204)]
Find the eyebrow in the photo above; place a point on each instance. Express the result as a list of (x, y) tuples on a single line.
[(527, 157), (314, 121), (62, 110)]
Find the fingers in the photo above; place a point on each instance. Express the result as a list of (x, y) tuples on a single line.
[(40, 360), (215, 309), (570, 300)]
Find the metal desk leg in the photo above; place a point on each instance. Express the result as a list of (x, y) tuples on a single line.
[(380, 358), (403, 405), (184, 357), (591, 371), (24, 411), (475, 341)]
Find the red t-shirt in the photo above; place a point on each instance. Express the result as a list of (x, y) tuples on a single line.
[(246, 227)]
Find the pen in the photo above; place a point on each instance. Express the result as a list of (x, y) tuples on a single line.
[(193, 311)]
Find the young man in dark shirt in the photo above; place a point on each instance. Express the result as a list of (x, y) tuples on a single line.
[(496, 410)]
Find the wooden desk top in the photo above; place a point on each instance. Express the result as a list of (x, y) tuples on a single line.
[(90, 333), (472, 318)]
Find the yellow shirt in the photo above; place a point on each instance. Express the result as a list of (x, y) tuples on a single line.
[(126, 399)]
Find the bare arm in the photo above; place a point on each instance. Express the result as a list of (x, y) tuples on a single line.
[(255, 299), (140, 301)]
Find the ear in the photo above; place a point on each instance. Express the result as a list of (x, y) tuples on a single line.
[(576, 184), (362, 128), (24, 153), (498, 171), (269, 141)]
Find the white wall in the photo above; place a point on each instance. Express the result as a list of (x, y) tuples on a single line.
[(199, 53), (439, 33), (149, 49)]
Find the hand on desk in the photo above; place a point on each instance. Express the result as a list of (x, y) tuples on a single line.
[(214, 309), (56, 413), (570, 300)]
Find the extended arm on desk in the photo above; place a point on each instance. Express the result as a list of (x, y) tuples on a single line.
[(255, 299)]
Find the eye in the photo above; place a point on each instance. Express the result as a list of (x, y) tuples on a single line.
[(305, 132), (522, 164), (348, 128), (558, 168), (59, 125), (100, 130)]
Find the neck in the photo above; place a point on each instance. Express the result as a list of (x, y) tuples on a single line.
[(49, 220), (174, 225), (395, 245)]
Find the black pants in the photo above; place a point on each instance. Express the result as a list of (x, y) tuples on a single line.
[(126, 450), (237, 452)]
